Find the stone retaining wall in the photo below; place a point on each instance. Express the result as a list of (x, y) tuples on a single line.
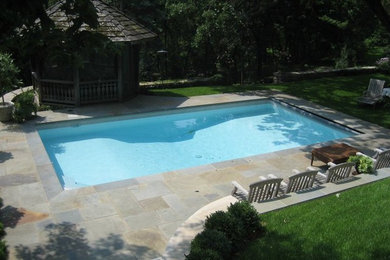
[(280, 77)]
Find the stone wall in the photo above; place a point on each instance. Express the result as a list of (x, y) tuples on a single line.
[(280, 77)]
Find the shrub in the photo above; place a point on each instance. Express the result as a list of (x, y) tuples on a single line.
[(221, 221), (24, 106), (248, 218), (217, 79), (363, 164), (239, 225), (210, 243), (8, 74), (386, 101), (204, 254), (3, 246), (384, 64)]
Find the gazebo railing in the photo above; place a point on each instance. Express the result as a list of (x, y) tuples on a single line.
[(57, 91), (60, 91), (98, 91)]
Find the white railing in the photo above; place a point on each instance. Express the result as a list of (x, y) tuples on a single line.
[(57, 91), (98, 91), (61, 91)]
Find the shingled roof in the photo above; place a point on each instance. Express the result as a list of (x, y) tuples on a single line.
[(113, 23)]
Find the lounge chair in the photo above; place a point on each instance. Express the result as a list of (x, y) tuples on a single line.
[(258, 191), (373, 94), (381, 158), (300, 181), (338, 172)]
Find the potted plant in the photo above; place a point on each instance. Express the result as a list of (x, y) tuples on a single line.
[(8, 79), (364, 164)]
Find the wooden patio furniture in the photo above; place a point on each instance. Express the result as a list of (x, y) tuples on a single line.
[(258, 191)]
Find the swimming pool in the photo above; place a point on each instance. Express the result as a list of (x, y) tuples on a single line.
[(93, 152)]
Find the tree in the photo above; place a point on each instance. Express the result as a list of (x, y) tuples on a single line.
[(381, 9), (29, 32)]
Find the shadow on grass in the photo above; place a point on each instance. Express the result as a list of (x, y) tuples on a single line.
[(277, 246), (66, 241), (380, 253)]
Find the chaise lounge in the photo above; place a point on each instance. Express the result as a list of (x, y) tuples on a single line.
[(373, 94)]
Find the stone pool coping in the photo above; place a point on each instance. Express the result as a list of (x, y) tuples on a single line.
[(136, 217)]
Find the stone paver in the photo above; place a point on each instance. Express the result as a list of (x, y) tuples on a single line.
[(136, 218)]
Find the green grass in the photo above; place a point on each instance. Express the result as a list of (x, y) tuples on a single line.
[(353, 225), (338, 93)]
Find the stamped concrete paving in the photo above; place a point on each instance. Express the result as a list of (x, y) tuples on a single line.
[(134, 218)]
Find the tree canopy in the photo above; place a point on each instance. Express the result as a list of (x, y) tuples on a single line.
[(237, 39)]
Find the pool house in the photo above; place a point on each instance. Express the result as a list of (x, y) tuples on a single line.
[(102, 77)]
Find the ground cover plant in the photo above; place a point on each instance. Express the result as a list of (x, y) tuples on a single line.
[(350, 225), (338, 93)]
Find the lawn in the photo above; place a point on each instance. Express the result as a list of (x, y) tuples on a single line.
[(339, 93), (354, 224)]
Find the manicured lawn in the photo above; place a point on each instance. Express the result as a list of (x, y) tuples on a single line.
[(353, 225), (339, 93)]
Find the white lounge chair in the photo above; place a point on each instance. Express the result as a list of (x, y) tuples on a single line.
[(338, 172), (381, 158), (258, 191), (373, 94)]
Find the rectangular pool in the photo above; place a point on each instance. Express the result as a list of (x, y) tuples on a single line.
[(86, 152)]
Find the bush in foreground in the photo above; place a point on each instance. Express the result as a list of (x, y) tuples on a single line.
[(24, 106), (226, 233)]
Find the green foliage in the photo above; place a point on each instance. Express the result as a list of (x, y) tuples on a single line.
[(226, 233), (342, 61), (386, 102), (3, 246), (241, 40), (8, 74), (248, 218), (210, 244), (2, 232), (24, 106), (363, 164), (221, 221), (384, 65), (203, 253)]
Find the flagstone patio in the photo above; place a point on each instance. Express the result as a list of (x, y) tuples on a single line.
[(137, 218)]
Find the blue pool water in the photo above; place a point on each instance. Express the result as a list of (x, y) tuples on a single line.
[(94, 153)]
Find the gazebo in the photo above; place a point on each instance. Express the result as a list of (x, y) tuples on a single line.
[(102, 78)]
